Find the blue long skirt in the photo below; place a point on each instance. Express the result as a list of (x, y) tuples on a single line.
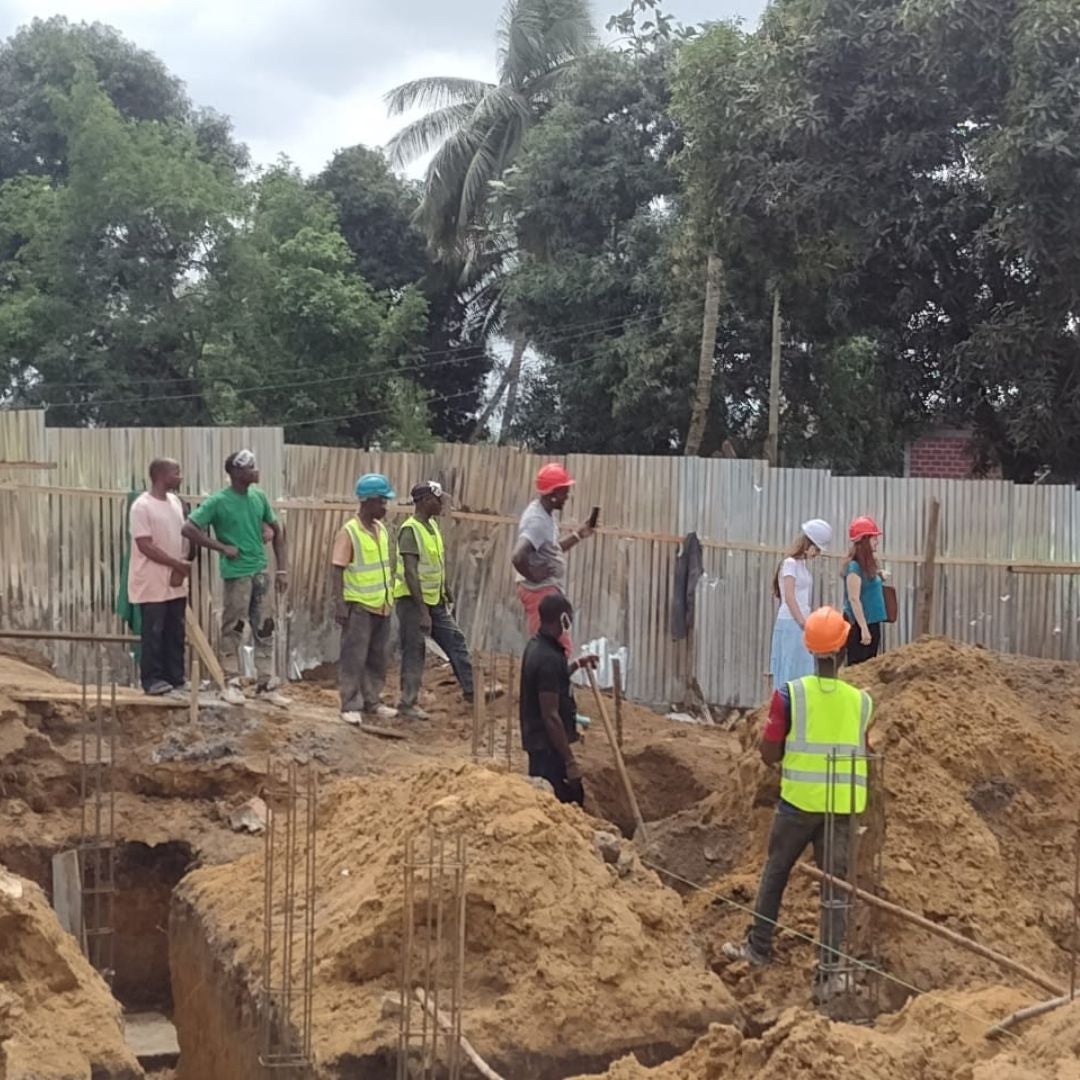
[(790, 657)]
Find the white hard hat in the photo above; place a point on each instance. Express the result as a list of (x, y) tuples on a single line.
[(818, 532)]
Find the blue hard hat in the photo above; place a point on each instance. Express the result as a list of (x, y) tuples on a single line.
[(374, 485)]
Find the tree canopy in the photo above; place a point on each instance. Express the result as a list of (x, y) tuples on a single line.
[(902, 178)]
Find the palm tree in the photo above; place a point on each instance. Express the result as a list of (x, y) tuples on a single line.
[(475, 129)]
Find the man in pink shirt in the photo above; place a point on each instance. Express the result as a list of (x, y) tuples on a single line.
[(158, 577)]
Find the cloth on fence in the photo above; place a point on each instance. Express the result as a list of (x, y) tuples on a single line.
[(130, 614), (689, 568)]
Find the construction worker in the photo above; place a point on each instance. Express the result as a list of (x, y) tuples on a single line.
[(362, 580), (539, 554), (546, 709), (237, 515), (423, 600), (158, 575), (816, 731)]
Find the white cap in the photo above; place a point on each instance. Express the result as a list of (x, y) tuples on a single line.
[(244, 459), (818, 532)]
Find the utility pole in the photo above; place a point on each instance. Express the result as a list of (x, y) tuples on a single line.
[(699, 412), (772, 442)]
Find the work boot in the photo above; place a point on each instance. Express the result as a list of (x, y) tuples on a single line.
[(381, 712), (412, 712), (158, 688), (742, 950), (232, 694)]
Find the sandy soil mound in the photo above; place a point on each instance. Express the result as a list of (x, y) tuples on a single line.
[(571, 961), (930, 1039), (982, 766), (58, 1020)]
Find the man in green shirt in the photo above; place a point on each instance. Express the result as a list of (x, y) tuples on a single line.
[(236, 514)]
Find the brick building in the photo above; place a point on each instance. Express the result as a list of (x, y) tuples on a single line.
[(944, 453)]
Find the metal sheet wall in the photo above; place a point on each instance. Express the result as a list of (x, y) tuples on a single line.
[(62, 547)]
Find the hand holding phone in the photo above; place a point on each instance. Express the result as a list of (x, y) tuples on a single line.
[(594, 517)]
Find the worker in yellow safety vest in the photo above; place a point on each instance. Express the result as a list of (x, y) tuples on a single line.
[(424, 604), (817, 733), (363, 586)]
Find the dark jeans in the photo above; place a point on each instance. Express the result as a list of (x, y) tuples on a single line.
[(857, 652), (550, 765), (362, 668), (792, 830), (447, 635), (162, 646)]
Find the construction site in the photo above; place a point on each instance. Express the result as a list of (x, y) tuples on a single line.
[(199, 891)]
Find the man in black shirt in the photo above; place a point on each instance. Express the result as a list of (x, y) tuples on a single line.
[(547, 710)]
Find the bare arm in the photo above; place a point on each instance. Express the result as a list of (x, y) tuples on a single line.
[(553, 725), (787, 589), (771, 752), (854, 591), (337, 588), (521, 559), (412, 576), (281, 555), (201, 538), (155, 554)]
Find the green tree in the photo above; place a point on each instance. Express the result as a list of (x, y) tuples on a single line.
[(299, 337), (99, 283), (476, 127), (46, 56), (375, 210)]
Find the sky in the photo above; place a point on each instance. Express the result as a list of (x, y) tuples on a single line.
[(306, 77)]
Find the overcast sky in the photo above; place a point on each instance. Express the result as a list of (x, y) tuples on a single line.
[(306, 77)]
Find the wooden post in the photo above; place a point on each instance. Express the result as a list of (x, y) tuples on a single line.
[(772, 441), (616, 689), (620, 765), (196, 678), (924, 619), (479, 694)]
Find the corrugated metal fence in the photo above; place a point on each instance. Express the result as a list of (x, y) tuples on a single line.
[(61, 530)]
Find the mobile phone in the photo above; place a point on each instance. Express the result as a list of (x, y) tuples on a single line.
[(594, 517)]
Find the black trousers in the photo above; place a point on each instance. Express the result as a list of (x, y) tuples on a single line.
[(792, 831), (857, 652), (163, 642), (550, 765)]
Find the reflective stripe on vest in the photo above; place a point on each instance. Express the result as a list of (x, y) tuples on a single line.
[(367, 578), (432, 567), (824, 762)]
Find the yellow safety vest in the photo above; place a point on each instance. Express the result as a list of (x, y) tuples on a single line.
[(432, 562), (367, 579), (825, 752)]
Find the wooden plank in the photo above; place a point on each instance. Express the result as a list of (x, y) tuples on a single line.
[(197, 639), (925, 616)]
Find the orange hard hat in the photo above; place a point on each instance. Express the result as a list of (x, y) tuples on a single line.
[(862, 527), (551, 477), (826, 631)]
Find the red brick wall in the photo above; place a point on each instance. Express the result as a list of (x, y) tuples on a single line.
[(949, 456)]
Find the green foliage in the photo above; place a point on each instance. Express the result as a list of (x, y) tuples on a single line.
[(475, 128), (297, 335)]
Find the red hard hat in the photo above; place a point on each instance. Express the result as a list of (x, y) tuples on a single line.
[(862, 527), (552, 477)]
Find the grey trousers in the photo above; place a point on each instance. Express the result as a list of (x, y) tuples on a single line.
[(247, 600), (362, 668), (792, 831), (447, 635)]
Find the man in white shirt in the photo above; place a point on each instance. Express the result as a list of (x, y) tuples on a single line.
[(158, 577)]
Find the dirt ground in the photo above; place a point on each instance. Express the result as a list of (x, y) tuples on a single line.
[(974, 823)]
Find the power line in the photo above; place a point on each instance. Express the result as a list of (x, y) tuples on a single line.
[(587, 328)]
